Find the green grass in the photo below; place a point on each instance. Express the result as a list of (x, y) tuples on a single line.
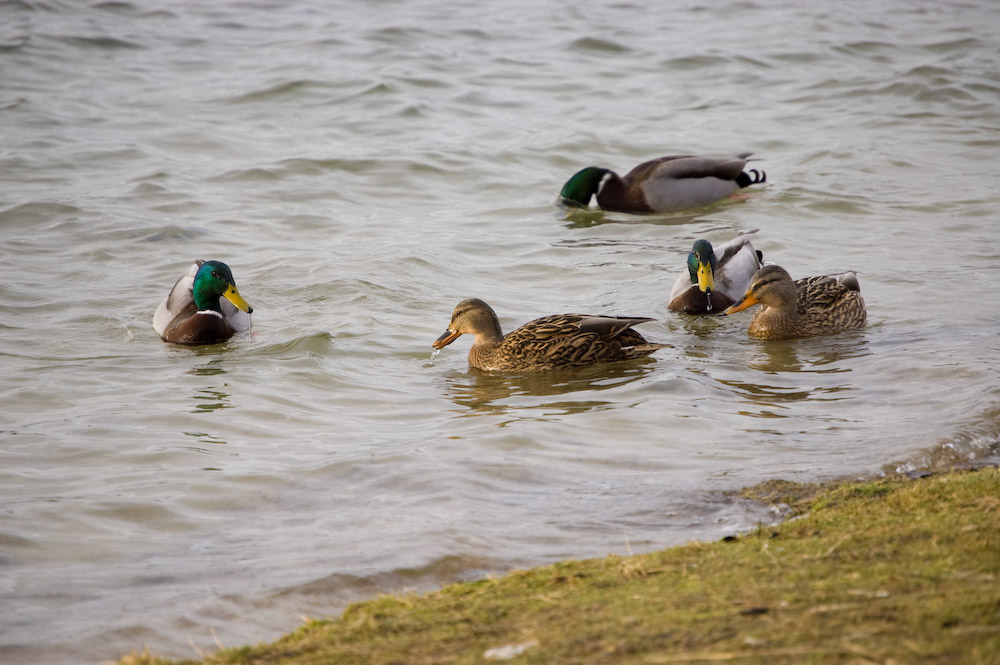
[(890, 571)]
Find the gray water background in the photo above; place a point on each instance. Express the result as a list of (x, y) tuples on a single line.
[(362, 167)]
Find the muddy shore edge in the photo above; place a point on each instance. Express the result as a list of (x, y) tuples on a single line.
[(893, 570)]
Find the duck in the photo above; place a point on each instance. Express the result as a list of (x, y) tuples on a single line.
[(810, 306), (204, 307), (555, 342), (715, 278), (662, 185)]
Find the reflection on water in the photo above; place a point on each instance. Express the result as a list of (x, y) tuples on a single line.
[(766, 395), (484, 392), (221, 400), (691, 330), (820, 354), (584, 218), (211, 398), (211, 369), (778, 379), (205, 437)]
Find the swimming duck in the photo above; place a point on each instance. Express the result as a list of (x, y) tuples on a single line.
[(204, 307), (662, 185), (715, 279), (561, 341), (809, 306)]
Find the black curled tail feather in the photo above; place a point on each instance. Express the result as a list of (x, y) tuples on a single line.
[(751, 177)]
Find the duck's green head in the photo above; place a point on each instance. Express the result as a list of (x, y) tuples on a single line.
[(582, 186), (214, 280), (702, 264)]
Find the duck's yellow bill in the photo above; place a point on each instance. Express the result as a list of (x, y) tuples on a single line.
[(706, 280), (233, 296), (747, 301), (447, 338)]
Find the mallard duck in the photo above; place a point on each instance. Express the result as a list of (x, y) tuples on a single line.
[(715, 280), (561, 341), (662, 185), (204, 307), (808, 306)]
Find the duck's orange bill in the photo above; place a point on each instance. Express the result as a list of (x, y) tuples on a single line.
[(447, 338), (747, 301)]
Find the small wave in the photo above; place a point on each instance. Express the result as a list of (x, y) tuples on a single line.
[(303, 166), (149, 189), (255, 174), (380, 88), (275, 92), (957, 45), (129, 9), (425, 82), (107, 43), (37, 212), (443, 569), (175, 234), (14, 42), (597, 44), (392, 35), (695, 62), (935, 75), (919, 91), (315, 343), (976, 441), (867, 47)]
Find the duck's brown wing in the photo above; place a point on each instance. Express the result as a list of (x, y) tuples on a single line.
[(646, 170), (692, 166), (574, 340), (831, 302), (607, 327), (824, 291)]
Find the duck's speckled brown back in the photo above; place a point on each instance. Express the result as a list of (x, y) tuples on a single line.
[(565, 341)]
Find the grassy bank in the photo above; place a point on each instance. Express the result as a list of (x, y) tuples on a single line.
[(891, 571)]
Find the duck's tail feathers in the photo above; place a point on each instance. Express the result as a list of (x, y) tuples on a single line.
[(850, 280), (640, 350), (751, 177)]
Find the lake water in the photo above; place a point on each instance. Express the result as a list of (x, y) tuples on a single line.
[(363, 167)]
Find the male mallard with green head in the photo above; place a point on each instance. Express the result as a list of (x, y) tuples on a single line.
[(561, 341), (809, 306), (715, 278), (204, 307), (662, 185)]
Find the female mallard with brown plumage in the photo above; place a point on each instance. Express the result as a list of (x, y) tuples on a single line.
[(803, 308), (662, 185), (204, 307), (715, 279), (561, 341)]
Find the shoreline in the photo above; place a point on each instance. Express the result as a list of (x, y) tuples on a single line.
[(897, 569)]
